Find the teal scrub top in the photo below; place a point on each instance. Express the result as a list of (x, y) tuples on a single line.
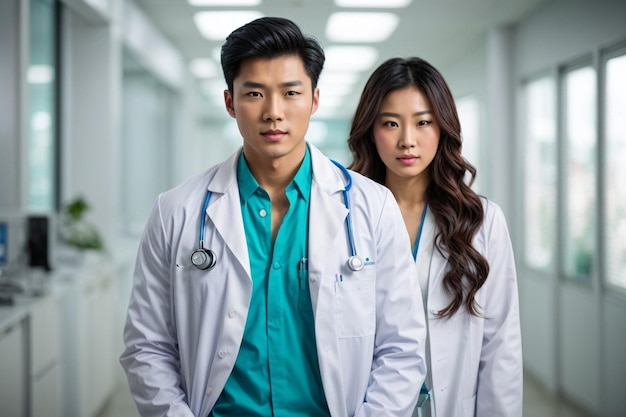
[(276, 372)]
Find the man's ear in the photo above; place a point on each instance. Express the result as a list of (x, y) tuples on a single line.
[(316, 100), (228, 102)]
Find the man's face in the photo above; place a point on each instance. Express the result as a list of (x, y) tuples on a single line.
[(272, 101)]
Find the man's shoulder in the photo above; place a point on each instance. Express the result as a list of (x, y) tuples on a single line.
[(365, 184)]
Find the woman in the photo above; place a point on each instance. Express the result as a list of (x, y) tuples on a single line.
[(406, 135)]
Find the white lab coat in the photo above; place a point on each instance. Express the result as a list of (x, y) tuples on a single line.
[(475, 362), (184, 326)]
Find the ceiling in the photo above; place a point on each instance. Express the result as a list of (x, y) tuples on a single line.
[(437, 31)]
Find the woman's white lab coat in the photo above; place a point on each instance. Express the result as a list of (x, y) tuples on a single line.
[(476, 362), (184, 326)]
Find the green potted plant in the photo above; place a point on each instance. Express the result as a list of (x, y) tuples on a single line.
[(76, 231)]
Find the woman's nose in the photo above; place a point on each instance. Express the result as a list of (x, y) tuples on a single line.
[(407, 138)]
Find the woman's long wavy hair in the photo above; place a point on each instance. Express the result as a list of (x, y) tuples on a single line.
[(457, 209)]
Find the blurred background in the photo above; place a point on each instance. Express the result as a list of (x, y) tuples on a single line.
[(106, 103)]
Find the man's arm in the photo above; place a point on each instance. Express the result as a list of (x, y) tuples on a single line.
[(399, 362), (151, 358)]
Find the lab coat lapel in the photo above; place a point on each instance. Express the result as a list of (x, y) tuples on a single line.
[(438, 265), (225, 206), (327, 215)]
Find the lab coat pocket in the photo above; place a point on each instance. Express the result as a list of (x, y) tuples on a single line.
[(356, 307), (469, 407)]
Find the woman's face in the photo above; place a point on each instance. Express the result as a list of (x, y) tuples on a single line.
[(406, 134)]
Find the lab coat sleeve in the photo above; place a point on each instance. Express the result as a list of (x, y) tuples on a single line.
[(499, 390), (399, 366), (151, 358)]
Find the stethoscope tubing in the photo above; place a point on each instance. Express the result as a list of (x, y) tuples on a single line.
[(354, 262)]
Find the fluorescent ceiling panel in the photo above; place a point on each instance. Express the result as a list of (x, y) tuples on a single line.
[(227, 3), (329, 78), (203, 68), (353, 58), (330, 101), (216, 26), (388, 4), (361, 27)]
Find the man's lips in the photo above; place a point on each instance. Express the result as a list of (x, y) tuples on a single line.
[(274, 134)]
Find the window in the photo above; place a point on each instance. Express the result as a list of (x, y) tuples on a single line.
[(615, 195), (579, 173), (42, 115), (540, 166)]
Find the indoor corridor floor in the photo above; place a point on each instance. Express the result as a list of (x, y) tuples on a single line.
[(537, 402)]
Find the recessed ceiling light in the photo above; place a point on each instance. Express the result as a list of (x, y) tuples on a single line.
[(203, 68), (354, 58), (373, 3), (218, 25), (227, 3), (361, 27)]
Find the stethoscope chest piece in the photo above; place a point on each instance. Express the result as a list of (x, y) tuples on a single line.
[(355, 263), (203, 258)]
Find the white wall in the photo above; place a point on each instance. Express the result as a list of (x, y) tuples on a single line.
[(13, 53), (91, 97)]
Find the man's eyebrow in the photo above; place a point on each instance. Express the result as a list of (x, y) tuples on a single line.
[(252, 84)]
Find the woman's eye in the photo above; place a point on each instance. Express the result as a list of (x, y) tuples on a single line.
[(424, 122), (390, 124)]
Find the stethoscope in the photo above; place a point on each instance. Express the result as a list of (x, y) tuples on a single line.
[(205, 259)]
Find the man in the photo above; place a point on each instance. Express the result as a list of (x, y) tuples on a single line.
[(275, 283)]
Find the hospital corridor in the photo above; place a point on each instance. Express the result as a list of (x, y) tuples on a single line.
[(107, 104)]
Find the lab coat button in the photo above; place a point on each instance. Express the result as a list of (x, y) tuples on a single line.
[(312, 279), (262, 213), (232, 314), (222, 354), (209, 390)]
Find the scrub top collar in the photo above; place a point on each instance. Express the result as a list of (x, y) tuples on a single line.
[(248, 184)]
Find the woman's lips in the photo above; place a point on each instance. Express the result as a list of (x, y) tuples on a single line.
[(408, 159)]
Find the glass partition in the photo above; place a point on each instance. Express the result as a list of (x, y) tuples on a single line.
[(615, 171), (580, 174), (42, 77)]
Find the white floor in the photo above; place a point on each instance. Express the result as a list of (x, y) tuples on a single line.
[(537, 402)]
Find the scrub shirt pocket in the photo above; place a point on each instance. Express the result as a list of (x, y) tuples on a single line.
[(304, 294), (355, 298)]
